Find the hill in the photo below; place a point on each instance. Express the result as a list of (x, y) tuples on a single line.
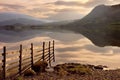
[(101, 25), (11, 18)]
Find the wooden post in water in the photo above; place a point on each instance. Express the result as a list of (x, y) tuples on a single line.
[(4, 63), (49, 54), (43, 54), (32, 55), (53, 51), (20, 60)]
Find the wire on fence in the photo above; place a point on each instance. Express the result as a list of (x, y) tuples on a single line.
[(23, 59)]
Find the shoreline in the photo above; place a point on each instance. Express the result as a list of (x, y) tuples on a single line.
[(75, 71)]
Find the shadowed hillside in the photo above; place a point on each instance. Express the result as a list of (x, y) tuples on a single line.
[(101, 25)]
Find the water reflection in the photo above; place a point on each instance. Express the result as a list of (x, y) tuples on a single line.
[(70, 47)]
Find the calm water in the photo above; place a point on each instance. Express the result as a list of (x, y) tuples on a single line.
[(69, 46)]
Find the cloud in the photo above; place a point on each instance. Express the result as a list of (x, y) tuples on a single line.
[(88, 4), (66, 10), (39, 9), (93, 3), (53, 9), (89, 47), (11, 6), (67, 55), (95, 49), (116, 51), (66, 3), (68, 49), (56, 13), (45, 12), (65, 16), (74, 9)]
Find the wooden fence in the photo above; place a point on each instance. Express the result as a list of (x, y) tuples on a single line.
[(14, 63)]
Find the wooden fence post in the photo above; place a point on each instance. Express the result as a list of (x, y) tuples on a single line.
[(20, 60), (43, 55), (49, 54), (32, 55), (53, 51), (4, 62)]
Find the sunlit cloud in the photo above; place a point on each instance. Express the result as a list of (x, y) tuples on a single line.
[(13, 6), (49, 9)]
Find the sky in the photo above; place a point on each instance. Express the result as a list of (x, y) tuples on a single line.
[(53, 9)]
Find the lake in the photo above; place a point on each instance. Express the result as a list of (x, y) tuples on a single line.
[(69, 46)]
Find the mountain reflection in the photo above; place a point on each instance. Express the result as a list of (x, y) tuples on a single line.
[(70, 47)]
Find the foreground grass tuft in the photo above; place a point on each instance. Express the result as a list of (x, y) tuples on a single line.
[(72, 69)]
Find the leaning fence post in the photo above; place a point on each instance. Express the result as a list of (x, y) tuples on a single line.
[(53, 51), (4, 62), (49, 54), (43, 55), (20, 60), (32, 55)]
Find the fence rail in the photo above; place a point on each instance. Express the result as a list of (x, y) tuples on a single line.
[(16, 62)]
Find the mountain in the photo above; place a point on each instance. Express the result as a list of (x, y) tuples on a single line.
[(22, 21), (10, 18), (101, 25), (103, 14)]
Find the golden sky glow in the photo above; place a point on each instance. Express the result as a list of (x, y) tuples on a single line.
[(50, 9), (81, 1)]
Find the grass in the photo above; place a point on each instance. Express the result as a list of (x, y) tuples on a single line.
[(79, 69), (73, 69), (19, 78)]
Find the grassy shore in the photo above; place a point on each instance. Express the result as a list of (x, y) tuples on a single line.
[(75, 71)]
